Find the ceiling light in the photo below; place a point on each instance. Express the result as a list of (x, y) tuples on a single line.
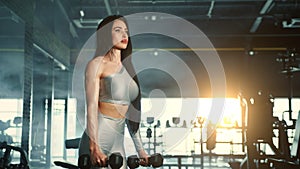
[(81, 13), (251, 52), (153, 17), (252, 100)]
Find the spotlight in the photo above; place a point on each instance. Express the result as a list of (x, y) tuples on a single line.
[(292, 54), (251, 52), (252, 100)]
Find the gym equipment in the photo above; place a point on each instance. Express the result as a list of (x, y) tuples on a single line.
[(151, 134), (3, 136), (5, 160), (168, 124), (155, 160), (290, 65), (290, 160), (70, 144), (65, 165), (176, 123), (37, 152), (259, 131), (17, 121), (115, 161), (211, 136)]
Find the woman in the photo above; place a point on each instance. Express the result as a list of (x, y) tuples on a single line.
[(112, 95)]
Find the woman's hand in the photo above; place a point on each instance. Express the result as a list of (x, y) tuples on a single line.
[(98, 158), (144, 158)]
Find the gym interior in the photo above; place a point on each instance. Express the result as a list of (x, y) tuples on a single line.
[(219, 81)]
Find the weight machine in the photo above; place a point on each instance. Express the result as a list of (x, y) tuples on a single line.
[(5, 162)]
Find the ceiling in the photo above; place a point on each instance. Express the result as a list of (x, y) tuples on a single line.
[(169, 67), (232, 26), (216, 18)]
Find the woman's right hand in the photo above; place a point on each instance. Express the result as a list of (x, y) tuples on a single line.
[(98, 158)]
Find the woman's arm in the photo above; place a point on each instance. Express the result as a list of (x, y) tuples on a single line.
[(137, 140), (134, 117), (92, 88)]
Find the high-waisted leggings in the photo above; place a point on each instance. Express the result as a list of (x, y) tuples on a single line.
[(110, 137)]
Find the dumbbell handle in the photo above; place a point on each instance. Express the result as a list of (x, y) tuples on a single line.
[(84, 162), (155, 160), (115, 161)]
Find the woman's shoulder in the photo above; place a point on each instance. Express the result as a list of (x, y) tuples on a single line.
[(97, 59), (96, 63)]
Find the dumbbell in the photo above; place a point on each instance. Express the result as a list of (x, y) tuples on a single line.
[(115, 161), (155, 160)]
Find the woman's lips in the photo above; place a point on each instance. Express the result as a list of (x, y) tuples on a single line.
[(125, 41)]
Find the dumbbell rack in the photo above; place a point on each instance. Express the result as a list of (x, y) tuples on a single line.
[(146, 133)]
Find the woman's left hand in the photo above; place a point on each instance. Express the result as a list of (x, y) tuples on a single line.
[(144, 158)]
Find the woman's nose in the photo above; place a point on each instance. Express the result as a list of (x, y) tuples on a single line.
[(124, 34)]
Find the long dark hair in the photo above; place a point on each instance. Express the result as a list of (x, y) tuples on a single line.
[(104, 45), (104, 39)]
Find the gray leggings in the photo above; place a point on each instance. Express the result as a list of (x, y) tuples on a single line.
[(110, 137)]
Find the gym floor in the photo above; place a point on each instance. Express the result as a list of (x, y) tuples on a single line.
[(214, 163)]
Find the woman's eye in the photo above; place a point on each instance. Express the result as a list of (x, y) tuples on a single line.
[(120, 30)]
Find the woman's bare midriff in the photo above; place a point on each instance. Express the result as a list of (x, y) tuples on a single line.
[(112, 110)]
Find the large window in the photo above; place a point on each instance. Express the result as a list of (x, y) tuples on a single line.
[(177, 139), (179, 131), (10, 120), (281, 110), (11, 126), (58, 128), (173, 136)]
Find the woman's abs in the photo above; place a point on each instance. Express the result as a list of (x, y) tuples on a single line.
[(112, 110)]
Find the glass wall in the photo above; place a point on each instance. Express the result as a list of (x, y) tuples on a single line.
[(30, 45), (12, 32)]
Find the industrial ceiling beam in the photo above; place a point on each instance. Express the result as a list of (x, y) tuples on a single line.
[(72, 28), (107, 6), (267, 6)]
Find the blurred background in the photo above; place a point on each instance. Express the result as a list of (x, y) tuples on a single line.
[(45, 44)]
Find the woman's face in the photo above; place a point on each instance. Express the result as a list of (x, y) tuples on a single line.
[(119, 34)]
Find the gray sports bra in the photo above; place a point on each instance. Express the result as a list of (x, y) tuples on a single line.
[(118, 88)]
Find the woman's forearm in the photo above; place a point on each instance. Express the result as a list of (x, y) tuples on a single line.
[(137, 140), (92, 126)]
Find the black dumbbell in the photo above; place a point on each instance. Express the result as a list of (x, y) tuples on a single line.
[(155, 160), (115, 161), (133, 161)]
